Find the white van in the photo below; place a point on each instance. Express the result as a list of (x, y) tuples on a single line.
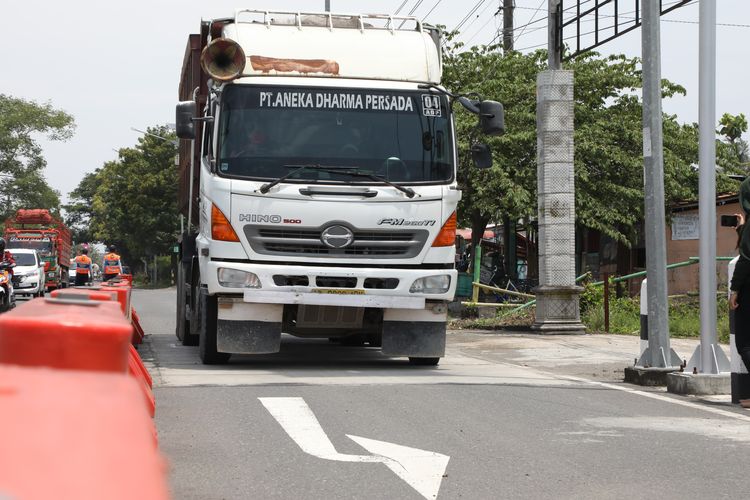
[(28, 273)]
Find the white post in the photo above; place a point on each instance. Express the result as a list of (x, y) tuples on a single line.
[(708, 357), (644, 316)]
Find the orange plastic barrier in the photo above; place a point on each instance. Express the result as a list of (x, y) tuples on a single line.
[(127, 278), (89, 293), (135, 371), (141, 367), (71, 434), (138, 332), (66, 333), (123, 295)]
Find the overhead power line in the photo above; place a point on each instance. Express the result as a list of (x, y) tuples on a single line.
[(489, 4), (416, 6), (468, 16), (400, 7), (430, 11)]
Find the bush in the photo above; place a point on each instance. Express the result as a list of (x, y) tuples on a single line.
[(624, 314), (592, 297)]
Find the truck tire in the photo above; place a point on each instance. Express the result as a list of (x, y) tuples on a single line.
[(206, 313), (424, 361), (182, 328)]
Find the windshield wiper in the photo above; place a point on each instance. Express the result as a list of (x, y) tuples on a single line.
[(353, 171), (356, 173), (299, 168)]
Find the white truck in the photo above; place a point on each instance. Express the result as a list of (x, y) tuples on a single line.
[(318, 179)]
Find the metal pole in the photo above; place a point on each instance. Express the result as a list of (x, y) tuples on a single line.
[(328, 5), (476, 270), (606, 302), (553, 54), (708, 357), (707, 180), (658, 354)]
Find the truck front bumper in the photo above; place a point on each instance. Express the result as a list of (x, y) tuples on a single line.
[(357, 294)]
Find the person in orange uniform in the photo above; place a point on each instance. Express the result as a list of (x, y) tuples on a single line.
[(83, 268), (112, 265)]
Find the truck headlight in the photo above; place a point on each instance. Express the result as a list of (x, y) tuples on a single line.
[(233, 278), (431, 284)]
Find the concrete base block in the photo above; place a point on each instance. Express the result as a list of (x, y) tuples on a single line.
[(699, 384), (648, 376), (558, 328), (557, 310)]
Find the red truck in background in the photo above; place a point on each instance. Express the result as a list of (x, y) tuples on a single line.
[(39, 229)]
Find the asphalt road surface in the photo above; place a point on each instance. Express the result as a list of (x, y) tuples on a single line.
[(324, 421)]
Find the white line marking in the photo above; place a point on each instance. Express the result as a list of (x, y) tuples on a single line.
[(422, 470), (666, 399)]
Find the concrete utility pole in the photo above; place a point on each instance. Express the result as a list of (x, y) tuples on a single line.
[(328, 5), (557, 309), (554, 58), (708, 356), (658, 354), (508, 6)]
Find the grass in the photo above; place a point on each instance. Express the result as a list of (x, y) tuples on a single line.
[(624, 316)]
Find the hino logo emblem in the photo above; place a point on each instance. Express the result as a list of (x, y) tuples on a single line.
[(337, 237)]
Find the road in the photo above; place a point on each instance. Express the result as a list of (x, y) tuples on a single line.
[(491, 421)]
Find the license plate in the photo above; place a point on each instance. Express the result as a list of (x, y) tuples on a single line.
[(338, 291), (26, 285)]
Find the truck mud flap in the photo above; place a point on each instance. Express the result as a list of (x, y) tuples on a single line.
[(423, 339), (248, 337), (189, 247)]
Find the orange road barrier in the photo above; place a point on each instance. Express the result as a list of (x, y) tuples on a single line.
[(138, 332), (137, 370), (74, 434), (127, 278), (66, 333), (141, 367), (123, 295), (89, 293)]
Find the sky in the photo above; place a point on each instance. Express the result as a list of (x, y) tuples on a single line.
[(115, 65)]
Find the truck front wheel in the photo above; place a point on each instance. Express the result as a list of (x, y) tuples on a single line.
[(206, 314)]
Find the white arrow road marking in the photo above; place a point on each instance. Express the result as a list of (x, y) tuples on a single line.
[(420, 469)]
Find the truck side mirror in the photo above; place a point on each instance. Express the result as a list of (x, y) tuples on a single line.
[(481, 154), (185, 127), (491, 118)]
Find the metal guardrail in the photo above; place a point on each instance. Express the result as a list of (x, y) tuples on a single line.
[(476, 286)]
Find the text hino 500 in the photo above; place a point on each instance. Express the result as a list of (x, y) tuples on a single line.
[(318, 178)]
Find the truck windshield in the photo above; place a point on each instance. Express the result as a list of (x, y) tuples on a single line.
[(402, 136), (44, 245)]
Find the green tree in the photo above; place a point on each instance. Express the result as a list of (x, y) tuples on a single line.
[(509, 188), (79, 211), (21, 160), (28, 189), (608, 140), (135, 203), (732, 153)]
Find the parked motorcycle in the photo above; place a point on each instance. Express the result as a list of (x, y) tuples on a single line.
[(7, 294)]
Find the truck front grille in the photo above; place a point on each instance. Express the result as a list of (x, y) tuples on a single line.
[(367, 244)]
